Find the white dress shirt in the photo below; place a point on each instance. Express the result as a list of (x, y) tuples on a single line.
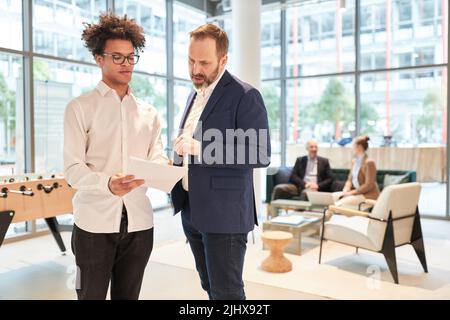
[(200, 101), (355, 171), (100, 133), (311, 171)]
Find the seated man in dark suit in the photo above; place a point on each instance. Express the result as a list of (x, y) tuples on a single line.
[(310, 173)]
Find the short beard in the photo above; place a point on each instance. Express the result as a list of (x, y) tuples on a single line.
[(208, 80)]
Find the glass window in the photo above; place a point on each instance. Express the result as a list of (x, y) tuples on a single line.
[(55, 84), (379, 60), (153, 91), (12, 159), (405, 117), (409, 108), (404, 59), (373, 18), (396, 36), (182, 89), (151, 15), (366, 61), (325, 38), (366, 18), (271, 92), (348, 22), (404, 11), (11, 24), (270, 43), (379, 18), (57, 27), (424, 55), (327, 25), (320, 108), (185, 20), (313, 28), (426, 11)]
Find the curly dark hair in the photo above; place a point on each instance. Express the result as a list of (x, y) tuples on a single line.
[(111, 26)]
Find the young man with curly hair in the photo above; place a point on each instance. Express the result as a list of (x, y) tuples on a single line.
[(113, 230)]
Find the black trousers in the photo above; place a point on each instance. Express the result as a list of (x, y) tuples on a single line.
[(287, 191), (119, 258)]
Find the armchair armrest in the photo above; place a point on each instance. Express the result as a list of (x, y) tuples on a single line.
[(348, 212), (369, 204)]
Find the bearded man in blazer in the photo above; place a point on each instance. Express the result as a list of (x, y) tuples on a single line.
[(216, 198)]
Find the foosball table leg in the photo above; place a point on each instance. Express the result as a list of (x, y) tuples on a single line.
[(54, 228), (5, 221)]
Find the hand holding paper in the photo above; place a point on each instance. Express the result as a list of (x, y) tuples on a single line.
[(158, 176), (120, 184)]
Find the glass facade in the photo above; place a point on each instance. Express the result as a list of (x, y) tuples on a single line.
[(11, 24), (151, 15), (387, 79), (12, 159), (57, 27), (55, 84)]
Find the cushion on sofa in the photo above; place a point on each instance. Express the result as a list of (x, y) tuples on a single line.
[(390, 179)]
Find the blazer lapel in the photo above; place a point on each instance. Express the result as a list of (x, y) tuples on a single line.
[(188, 107), (218, 92), (320, 164), (178, 160), (303, 166)]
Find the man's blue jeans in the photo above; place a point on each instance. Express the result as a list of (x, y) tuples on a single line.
[(219, 259)]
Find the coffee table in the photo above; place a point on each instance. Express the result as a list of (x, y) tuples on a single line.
[(285, 204), (297, 231)]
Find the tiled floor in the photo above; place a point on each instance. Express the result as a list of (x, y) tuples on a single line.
[(34, 269)]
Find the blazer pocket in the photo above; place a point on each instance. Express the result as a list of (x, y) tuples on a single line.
[(227, 183)]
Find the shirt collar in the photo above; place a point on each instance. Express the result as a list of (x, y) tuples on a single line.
[(205, 92), (312, 159), (103, 88)]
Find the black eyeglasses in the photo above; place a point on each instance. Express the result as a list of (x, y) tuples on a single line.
[(118, 58)]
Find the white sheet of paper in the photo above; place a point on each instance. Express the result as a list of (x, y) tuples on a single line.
[(158, 176)]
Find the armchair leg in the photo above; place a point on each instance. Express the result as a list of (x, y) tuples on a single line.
[(392, 263), (417, 241), (388, 249), (357, 250), (420, 251), (321, 235), (320, 250)]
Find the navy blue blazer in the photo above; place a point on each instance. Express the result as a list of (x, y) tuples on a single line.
[(221, 196)]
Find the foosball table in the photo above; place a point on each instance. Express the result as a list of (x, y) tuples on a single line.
[(31, 197)]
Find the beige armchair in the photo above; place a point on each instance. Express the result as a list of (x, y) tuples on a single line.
[(394, 221)]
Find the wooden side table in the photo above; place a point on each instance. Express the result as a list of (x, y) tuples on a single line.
[(276, 261)]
